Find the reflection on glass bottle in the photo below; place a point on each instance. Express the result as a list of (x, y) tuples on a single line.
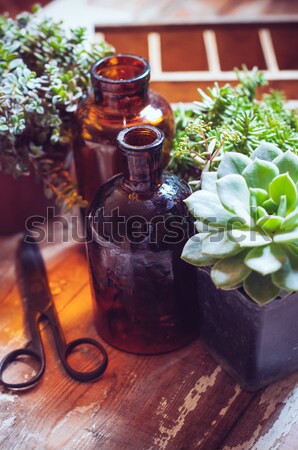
[(121, 99), (144, 294)]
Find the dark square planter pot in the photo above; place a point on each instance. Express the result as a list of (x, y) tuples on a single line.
[(255, 344)]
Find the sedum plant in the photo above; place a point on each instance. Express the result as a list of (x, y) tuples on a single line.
[(44, 73), (247, 222), (231, 118)]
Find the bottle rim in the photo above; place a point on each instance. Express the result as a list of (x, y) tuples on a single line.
[(152, 137), (96, 77)]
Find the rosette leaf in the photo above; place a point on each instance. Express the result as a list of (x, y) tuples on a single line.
[(248, 211)]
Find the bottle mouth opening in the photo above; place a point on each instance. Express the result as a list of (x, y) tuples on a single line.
[(119, 69), (140, 138)]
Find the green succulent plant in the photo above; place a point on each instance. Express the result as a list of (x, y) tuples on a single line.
[(44, 73), (231, 119), (247, 218)]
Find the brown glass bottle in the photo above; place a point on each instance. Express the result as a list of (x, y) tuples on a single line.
[(144, 294), (120, 99)]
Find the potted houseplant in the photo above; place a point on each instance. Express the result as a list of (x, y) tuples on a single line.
[(246, 251), (44, 72)]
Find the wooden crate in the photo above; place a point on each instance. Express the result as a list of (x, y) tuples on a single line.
[(184, 57)]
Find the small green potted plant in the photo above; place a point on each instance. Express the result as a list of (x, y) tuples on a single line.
[(246, 251), (44, 73)]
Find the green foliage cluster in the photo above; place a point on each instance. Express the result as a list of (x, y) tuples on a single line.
[(44, 72), (247, 219), (231, 119)]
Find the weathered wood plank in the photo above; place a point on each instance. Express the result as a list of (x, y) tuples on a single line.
[(270, 422)]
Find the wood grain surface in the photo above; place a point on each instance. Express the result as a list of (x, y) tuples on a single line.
[(180, 400)]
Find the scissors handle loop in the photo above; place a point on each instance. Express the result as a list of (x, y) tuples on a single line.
[(85, 376), (11, 358)]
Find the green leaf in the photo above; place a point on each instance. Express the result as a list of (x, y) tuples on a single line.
[(232, 190), (282, 208), (284, 238), (260, 288), (229, 272), (288, 163), (209, 181), (36, 8), (266, 151), (235, 197), (265, 260), (204, 227), (287, 276), (259, 174), (206, 205), (270, 206), (232, 163), (261, 212), (260, 194), (284, 185), (232, 286), (15, 63), (291, 221), (249, 238), (270, 224), (71, 108), (192, 252), (219, 245)]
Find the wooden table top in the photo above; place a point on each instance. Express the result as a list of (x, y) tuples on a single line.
[(180, 400)]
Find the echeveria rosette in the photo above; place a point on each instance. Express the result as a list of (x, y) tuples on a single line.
[(247, 219)]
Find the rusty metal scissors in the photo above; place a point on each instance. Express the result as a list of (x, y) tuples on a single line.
[(36, 293)]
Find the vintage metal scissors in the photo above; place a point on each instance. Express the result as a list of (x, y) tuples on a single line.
[(36, 293)]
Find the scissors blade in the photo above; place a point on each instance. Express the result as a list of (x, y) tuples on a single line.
[(32, 275)]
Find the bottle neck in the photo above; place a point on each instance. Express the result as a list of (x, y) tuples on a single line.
[(120, 101), (120, 82), (141, 149)]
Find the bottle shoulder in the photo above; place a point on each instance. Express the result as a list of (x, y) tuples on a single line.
[(167, 199), (97, 124), (155, 109)]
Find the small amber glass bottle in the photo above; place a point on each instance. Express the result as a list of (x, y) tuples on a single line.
[(144, 294), (120, 99)]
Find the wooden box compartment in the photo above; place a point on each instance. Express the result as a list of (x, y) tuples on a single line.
[(285, 38), (237, 46), (183, 49)]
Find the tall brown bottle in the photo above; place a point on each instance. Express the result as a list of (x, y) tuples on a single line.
[(120, 99), (144, 294)]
